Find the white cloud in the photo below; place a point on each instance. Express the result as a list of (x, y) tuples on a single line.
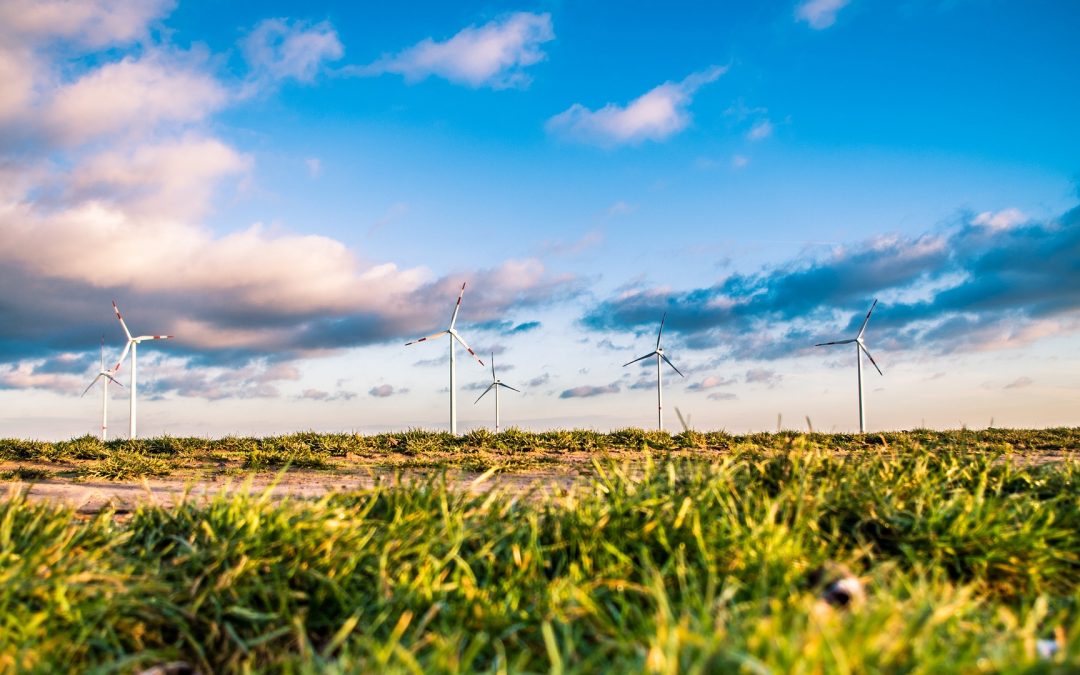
[(256, 379), (394, 213), (655, 115), (90, 22), (1000, 220), (1020, 383), (314, 166), (26, 375), (819, 14), (17, 68), (279, 49), (770, 378), (133, 95), (586, 241), (620, 208), (710, 382), (263, 286), (320, 395), (175, 177), (760, 131), (386, 391), (493, 55), (739, 161)]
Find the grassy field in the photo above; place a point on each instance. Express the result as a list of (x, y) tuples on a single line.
[(694, 556), (512, 450)]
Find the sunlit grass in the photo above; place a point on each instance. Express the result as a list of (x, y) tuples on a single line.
[(666, 563)]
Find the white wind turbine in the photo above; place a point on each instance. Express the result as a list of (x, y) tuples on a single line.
[(454, 335), (860, 348), (495, 384), (108, 375), (133, 345), (659, 354)]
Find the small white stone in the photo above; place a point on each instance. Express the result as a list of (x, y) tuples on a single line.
[(1046, 648)]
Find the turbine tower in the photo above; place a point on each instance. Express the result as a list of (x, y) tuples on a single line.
[(659, 354), (133, 345), (860, 348), (495, 384), (108, 375), (454, 335)]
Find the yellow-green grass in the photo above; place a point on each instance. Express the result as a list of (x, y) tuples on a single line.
[(478, 450), (971, 555)]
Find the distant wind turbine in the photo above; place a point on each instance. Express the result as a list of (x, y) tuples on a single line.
[(860, 348), (108, 375), (452, 332), (133, 345), (495, 384), (659, 354)]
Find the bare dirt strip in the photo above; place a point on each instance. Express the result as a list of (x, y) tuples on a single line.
[(90, 497)]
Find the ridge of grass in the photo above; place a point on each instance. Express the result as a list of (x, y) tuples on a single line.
[(478, 450)]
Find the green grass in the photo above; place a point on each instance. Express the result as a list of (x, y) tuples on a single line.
[(125, 464), (26, 474), (478, 450), (666, 564)]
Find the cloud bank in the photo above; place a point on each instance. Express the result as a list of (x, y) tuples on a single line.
[(105, 198), (975, 286)]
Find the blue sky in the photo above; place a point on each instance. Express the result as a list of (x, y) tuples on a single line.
[(295, 195)]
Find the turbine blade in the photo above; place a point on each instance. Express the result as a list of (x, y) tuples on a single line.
[(835, 342), (493, 378), (457, 337), (867, 319), (489, 388), (661, 332), (102, 352), (867, 352), (122, 324), (91, 385), (509, 387), (685, 426), (153, 337), (112, 379), (123, 355), (433, 335), (639, 359), (457, 307), (668, 361)]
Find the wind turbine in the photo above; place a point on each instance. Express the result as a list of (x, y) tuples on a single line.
[(659, 354), (454, 335), (133, 345), (860, 348), (108, 375), (495, 384)]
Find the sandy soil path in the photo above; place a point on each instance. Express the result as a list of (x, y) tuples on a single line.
[(89, 497)]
